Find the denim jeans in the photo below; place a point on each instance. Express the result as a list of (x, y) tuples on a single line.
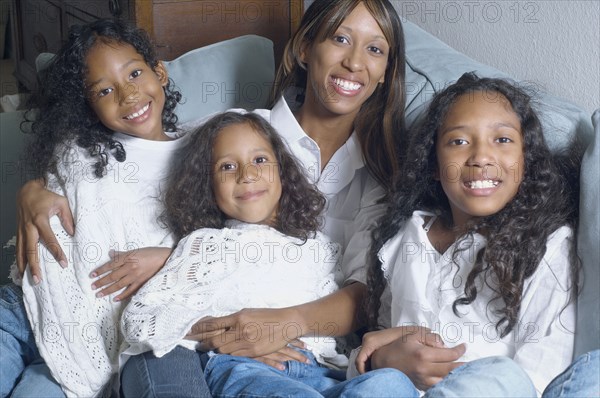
[(177, 374), (485, 377), (23, 373), (231, 376), (180, 374), (581, 379)]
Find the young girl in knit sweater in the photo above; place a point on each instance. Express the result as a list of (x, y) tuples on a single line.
[(477, 243), (248, 221), (103, 136)]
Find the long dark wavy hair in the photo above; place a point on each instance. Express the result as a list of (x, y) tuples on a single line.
[(380, 122), (59, 111), (190, 200), (516, 235)]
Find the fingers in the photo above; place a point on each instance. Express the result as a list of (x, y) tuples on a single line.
[(42, 226), (274, 363), (115, 262), (277, 359), (433, 340), (362, 360), (21, 256), (449, 354), (206, 326), (297, 343), (65, 216), (31, 252)]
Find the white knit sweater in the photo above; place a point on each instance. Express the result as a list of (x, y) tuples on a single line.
[(215, 272), (78, 334)]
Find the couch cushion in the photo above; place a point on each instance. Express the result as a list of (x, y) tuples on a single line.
[(432, 65), (236, 73), (588, 306)]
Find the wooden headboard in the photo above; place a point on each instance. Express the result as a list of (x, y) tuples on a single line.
[(182, 25)]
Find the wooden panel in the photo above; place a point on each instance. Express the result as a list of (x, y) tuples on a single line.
[(182, 25)]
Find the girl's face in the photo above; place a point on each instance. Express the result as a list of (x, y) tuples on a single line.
[(480, 155), (124, 91), (246, 179), (344, 70)]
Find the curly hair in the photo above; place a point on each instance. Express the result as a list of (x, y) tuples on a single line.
[(59, 111), (545, 201), (190, 202), (380, 122)]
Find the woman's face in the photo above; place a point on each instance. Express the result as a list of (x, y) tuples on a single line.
[(345, 69)]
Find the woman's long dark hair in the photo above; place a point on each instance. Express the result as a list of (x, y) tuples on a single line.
[(59, 108), (380, 122), (190, 201), (516, 235)]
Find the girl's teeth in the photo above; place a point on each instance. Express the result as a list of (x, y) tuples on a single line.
[(138, 113), (480, 184), (346, 85)]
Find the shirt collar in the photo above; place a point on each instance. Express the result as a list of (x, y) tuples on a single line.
[(282, 115)]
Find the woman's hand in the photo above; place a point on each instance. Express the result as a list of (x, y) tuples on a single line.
[(250, 332), (35, 206), (416, 351), (129, 270), (287, 353)]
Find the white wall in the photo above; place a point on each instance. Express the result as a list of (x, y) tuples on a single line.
[(554, 43)]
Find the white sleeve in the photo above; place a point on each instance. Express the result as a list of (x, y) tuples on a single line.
[(545, 333), (354, 260), (163, 311)]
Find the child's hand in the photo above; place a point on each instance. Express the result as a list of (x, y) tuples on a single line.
[(129, 270), (35, 206), (250, 332), (417, 352), (372, 341)]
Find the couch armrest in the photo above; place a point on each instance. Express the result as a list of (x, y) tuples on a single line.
[(12, 142)]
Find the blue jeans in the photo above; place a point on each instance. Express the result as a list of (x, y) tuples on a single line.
[(23, 372), (177, 374), (231, 376), (180, 374), (485, 377), (581, 379)]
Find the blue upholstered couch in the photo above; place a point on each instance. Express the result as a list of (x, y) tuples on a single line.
[(239, 73)]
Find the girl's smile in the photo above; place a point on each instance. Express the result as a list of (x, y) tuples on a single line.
[(126, 94), (480, 155), (140, 115)]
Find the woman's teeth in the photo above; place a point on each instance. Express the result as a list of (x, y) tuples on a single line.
[(346, 85), (138, 113), (480, 184)]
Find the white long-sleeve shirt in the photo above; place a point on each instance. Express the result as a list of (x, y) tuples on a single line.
[(425, 283), (77, 333), (216, 272)]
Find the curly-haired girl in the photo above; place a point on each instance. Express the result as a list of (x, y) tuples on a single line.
[(98, 122), (249, 220), (477, 243)]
